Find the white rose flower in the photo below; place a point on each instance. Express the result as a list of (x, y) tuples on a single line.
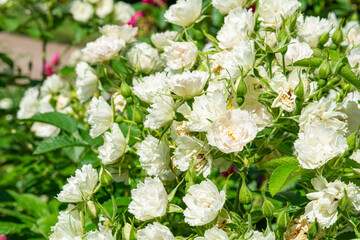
[(296, 51), (192, 150), (261, 115), (181, 55), (114, 146), (52, 85), (214, 234), (188, 84), (86, 81), (104, 8), (352, 111), (154, 156), (217, 85), (6, 103), (161, 40), (148, 87), (356, 156), (68, 226), (318, 144), (29, 104), (143, 57), (184, 12), (100, 116), (124, 32), (103, 49), (255, 87), (44, 130), (123, 11), (324, 111), (206, 110), (312, 28), (161, 112), (256, 235), (271, 11), (354, 60), (352, 33), (233, 131), (225, 6), (155, 231), (81, 11), (149, 200), (204, 202), (119, 102), (80, 186), (238, 26), (99, 235)]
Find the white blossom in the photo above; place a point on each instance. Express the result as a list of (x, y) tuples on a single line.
[(52, 85), (311, 29), (114, 145), (204, 202), (271, 11), (161, 40), (81, 11), (80, 186), (149, 200), (214, 234), (103, 49), (188, 84), (238, 26), (184, 12), (104, 8), (256, 235), (356, 156), (226, 5), (86, 81), (354, 60), (260, 113), (352, 33), (143, 57), (99, 235), (119, 102), (155, 231), (161, 112), (154, 156), (44, 130), (124, 32), (295, 51), (123, 11), (29, 104), (100, 116), (181, 55), (232, 131), (148, 87), (68, 226), (318, 144)]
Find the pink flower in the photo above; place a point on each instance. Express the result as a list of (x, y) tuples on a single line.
[(153, 2), (49, 68), (135, 18), (252, 7), (231, 170), (3, 237)]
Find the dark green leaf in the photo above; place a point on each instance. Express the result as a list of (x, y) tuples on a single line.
[(57, 119), (345, 71), (10, 228), (276, 162), (313, 62), (51, 144), (9, 24)]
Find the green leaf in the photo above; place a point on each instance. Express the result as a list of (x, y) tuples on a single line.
[(79, 33), (279, 177), (276, 162), (313, 62), (173, 208), (7, 60), (9, 24), (51, 144), (172, 194), (33, 32), (30, 203), (345, 71), (57, 119), (10, 228)]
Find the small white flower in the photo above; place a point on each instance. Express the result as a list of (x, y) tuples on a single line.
[(226, 5), (148, 87), (44, 130), (99, 235), (206, 110), (123, 11), (114, 145), (318, 144), (260, 113), (161, 40), (6, 103), (143, 57), (149, 200), (124, 32), (356, 156), (323, 111), (161, 112), (255, 87), (29, 104), (80, 186), (155, 231), (104, 8), (204, 202), (233, 131), (352, 33), (154, 156), (214, 234), (256, 235), (295, 51), (188, 84), (86, 81), (181, 55), (103, 49), (238, 26), (192, 150), (81, 11), (271, 11), (352, 111), (100, 116), (68, 226), (119, 102), (354, 60), (312, 28), (52, 85), (184, 12)]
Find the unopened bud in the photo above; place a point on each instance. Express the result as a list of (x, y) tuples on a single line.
[(324, 69), (91, 210), (245, 193), (324, 39), (242, 88), (137, 117), (240, 100), (119, 102), (322, 83), (338, 36), (105, 177), (283, 219), (125, 90), (267, 208), (299, 90), (351, 140), (129, 100), (292, 24)]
